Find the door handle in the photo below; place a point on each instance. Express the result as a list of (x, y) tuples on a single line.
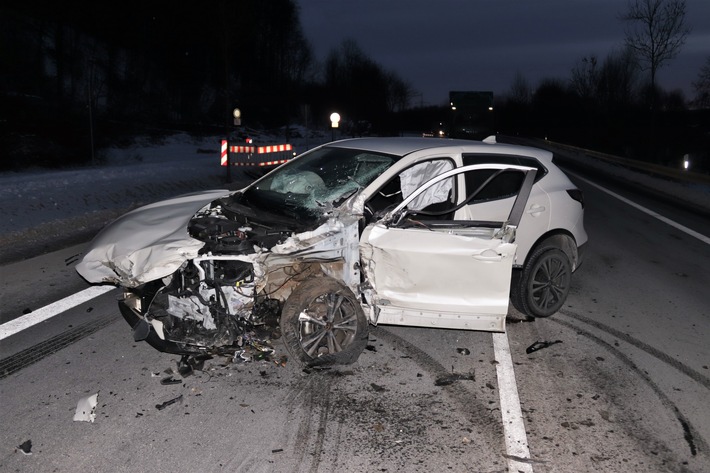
[(488, 257), (536, 209)]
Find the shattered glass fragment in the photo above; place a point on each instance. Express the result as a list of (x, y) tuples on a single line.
[(86, 409)]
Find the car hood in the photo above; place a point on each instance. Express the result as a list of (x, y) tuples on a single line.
[(147, 243)]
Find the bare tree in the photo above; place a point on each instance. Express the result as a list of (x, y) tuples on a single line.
[(702, 86), (520, 91), (616, 80), (585, 77), (656, 33)]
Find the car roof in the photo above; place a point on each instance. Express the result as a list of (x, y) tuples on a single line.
[(402, 146)]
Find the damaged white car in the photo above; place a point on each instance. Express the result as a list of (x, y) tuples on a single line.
[(407, 231)]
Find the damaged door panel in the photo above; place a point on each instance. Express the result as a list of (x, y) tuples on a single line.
[(438, 273)]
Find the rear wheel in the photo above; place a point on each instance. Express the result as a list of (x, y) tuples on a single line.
[(322, 322), (541, 287)]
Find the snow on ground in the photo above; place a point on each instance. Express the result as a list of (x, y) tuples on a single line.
[(41, 210)]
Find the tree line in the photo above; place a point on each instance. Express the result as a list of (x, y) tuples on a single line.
[(75, 79)]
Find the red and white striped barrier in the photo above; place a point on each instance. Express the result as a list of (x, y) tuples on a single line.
[(262, 163), (240, 149), (223, 154), (273, 149)]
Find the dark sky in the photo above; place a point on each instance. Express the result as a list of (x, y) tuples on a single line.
[(442, 45)]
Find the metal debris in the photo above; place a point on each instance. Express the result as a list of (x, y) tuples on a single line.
[(539, 346), (169, 402), (86, 408)]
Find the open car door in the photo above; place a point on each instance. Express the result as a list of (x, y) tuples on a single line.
[(431, 272)]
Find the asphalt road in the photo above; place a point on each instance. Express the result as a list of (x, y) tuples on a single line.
[(625, 389)]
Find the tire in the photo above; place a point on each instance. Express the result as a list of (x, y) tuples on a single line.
[(541, 287), (322, 323)]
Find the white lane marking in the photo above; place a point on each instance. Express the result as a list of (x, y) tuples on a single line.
[(47, 312), (516, 439), (663, 219)]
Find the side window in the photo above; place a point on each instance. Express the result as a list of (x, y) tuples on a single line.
[(502, 186)]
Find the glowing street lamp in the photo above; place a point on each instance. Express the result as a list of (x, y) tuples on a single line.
[(334, 121)]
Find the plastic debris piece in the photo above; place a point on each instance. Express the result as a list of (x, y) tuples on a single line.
[(188, 364), (463, 351), (170, 380), (86, 408), (453, 377), (169, 402), (25, 447), (539, 346)]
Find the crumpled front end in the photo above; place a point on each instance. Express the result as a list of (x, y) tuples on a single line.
[(145, 244), (212, 280)]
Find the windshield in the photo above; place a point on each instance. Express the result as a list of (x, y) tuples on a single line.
[(316, 181)]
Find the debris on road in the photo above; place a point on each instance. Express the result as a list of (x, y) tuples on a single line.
[(539, 346), (170, 380), (25, 447), (86, 408), (463, 351), (453, 377), (188, 364), (169, 402)]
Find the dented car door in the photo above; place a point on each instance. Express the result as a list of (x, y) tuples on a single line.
[(428, 271)]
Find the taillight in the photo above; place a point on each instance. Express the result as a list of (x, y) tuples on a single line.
[(577, 195)]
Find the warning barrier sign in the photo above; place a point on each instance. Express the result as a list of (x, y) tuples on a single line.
[(247, 151)]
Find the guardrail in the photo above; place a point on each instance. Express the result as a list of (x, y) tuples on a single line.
[(650, 168)]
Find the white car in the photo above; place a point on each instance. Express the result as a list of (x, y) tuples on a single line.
[(406, 231)]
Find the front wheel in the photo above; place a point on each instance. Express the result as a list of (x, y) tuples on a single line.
[(322, 322), (541, 287)]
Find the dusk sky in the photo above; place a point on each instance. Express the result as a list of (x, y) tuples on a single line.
[(443, 45)]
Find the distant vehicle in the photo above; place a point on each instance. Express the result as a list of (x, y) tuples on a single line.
[(407, 231)]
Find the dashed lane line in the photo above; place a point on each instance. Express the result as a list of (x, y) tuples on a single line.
[(516, 439), (47, 312)]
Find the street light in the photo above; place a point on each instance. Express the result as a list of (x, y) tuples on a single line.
[(334, 120)]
